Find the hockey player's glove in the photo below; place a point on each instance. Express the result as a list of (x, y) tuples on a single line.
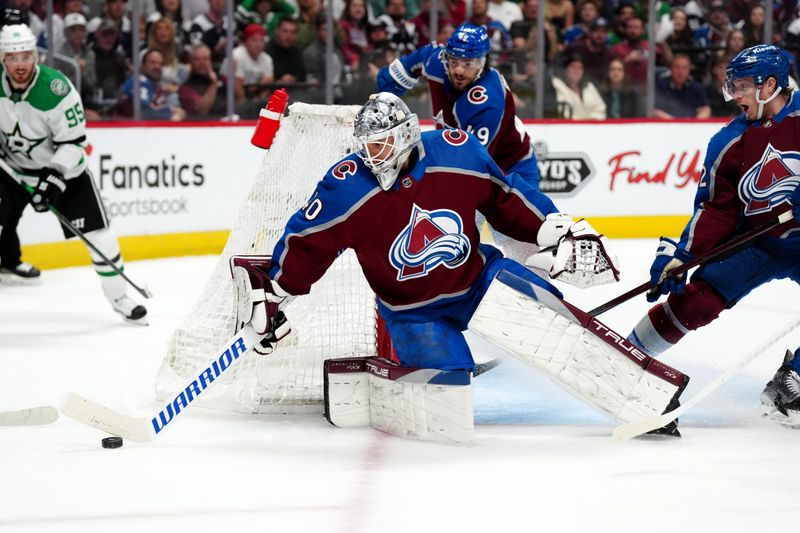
[(48, 190), (573, 252), (668, 257), (258, 299)]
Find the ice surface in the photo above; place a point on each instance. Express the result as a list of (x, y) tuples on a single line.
[(542, 461)]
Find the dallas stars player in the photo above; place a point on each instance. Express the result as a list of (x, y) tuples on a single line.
[(42, 137)]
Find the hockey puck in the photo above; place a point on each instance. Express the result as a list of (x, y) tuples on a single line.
[(112, 442)]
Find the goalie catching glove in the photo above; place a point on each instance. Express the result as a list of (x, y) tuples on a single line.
[(258, 300), (573, 252)]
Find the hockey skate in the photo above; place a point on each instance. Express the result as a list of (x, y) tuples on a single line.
[(24, 273), (780, 399), (131, 311)]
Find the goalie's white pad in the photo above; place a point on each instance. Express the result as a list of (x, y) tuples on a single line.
[(573, 252), (423, 404), (577, 351)]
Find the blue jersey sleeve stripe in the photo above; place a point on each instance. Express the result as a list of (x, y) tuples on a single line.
[(399, 74)]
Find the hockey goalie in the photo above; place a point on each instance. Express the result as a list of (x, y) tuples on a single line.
[(406, 203)]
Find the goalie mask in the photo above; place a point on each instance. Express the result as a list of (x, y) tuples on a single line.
[(386, 132)]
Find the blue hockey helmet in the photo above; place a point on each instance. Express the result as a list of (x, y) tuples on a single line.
[(760, 62), (468, 42)]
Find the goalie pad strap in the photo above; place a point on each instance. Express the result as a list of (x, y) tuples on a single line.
[(577, 351), (419, 403)]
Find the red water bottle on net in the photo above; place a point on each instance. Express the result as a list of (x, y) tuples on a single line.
[(269, 119)]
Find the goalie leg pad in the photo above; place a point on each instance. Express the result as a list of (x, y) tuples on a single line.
[(417, 403), (577, 351)]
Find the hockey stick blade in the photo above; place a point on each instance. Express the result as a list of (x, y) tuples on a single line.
[(634, 429), (145, 429), (33, 416)]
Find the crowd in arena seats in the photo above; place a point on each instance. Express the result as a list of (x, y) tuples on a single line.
[(595, 51)]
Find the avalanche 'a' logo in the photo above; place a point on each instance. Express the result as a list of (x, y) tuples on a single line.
[(770, 182), (431, 239)]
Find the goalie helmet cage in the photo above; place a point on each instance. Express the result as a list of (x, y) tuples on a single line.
[(337, 318)]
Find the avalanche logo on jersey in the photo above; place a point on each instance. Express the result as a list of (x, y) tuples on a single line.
[(478, 95), (344, 169), (431, 239), (770, 182)]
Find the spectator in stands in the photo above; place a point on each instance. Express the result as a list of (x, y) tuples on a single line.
[(253, 69), (576, 97), (76, 47), (623, 12), (713, 33), (267, 13), (499, 36), (209, 29), (172, 11), (114, 10), (681, 39), (588, 12), (422, 22), (621, 98), (678, 95), (633, 52), (523, 33), (753, 27), (594, 51), (198, 95), (161, 37), (505, 12), (28, 17), (287, 57), (716, 100), (59, 33), (155, 102), (314, 60), (111, 65), (354, 24), (560, 14), (307, 22), (401, 31), (734, 44), (446, 30)]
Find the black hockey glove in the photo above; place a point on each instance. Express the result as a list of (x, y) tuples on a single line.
[(48, 190)]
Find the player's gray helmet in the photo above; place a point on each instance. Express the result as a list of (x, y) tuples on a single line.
[(386, 122)]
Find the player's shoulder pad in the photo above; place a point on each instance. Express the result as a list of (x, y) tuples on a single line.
[(442, 145), (349, 175), (487, 93), (726, 135), (49, 90)]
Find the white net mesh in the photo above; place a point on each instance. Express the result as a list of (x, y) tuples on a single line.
[(336, 320)]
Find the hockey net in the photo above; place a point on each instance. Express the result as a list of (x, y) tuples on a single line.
[(337, 319)]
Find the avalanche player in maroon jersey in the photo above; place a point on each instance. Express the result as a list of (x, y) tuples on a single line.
[(751, 174), (406, 202), (468, 94)]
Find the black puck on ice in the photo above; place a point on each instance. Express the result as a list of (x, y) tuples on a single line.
[(112, 442)]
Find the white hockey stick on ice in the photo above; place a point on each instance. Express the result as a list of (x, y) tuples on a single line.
[(145, 429), (634, 429), (29, 417)]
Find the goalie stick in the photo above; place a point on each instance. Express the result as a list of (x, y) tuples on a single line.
[(717, 254), (634, 429), (144, 291), (145, 429), (33, 416)]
